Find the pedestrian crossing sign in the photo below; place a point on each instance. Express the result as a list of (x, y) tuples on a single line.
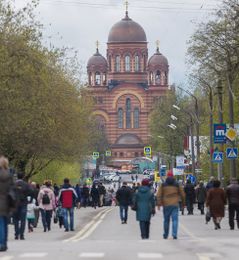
[(217, 157), (108, 153), (96, 155), (147, 150), (232, 153)]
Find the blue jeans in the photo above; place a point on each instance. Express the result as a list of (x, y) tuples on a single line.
[(170, 212), (69, 212), (123, 213), (46, 216), (3, 232), (19, 219)]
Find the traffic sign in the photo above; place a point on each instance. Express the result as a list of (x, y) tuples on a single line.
[(163, 170), (191, 178), (96, 155), (147, 150), (220, 133), (232, 153), (180, 161), (231, 134), (108, 153), (217, 157)]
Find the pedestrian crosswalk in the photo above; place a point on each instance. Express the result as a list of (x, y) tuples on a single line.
[(102, 255)]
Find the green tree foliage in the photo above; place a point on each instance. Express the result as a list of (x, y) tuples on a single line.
[(213, 56), (44, 112)]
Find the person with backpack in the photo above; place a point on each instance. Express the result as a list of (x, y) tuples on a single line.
[(23, 190), (6, 182), (47, 203), (68, 199)]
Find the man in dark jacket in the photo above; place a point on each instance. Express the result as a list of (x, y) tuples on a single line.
[(190, 196), (102, 192), (124, 199), (6, 182), (232, 192), (23, 190), (201, 195), (85, 194), (68, 199)]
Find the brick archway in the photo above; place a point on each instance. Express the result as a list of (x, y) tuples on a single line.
[(128, 92)]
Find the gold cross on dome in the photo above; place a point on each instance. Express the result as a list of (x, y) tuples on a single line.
[(97, 44), (157, 44), (126, 5)]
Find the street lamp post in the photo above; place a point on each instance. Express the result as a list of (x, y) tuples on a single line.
[(197, 124)]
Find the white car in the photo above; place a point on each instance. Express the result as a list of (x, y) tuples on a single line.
[(116, 178), (110, 177)]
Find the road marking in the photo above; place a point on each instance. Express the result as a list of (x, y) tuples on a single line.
[(89, 231), (6, 257), (208, 256), (86, 227), (33, 255), (188, 232), (150, 255), (91, 255)]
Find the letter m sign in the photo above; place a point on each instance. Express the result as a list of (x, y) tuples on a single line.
[(220, 133)]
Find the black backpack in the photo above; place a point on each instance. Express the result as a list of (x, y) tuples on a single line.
[(20, 191), (45, 199)]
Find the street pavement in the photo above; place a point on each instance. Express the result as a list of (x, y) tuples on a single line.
[(100, 235)]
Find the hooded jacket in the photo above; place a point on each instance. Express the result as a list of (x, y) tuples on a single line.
[(6, 181), (51, 196), (169, 193), (144, 199)]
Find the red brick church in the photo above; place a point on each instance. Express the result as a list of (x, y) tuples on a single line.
[(125, 86)]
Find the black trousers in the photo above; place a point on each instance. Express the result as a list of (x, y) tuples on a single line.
[(233, 210), (144, 228)]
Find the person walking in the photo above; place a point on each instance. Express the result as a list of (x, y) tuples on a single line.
[(216, 201), (94, 193), (190, 196), (68, 199), (124, 199), (102, 192), (36, 189), (23, 190), (168, 196), (232, 193), (201, 195), (85, 195), (144, 202), (6, 182), (31, 206), (47, 203)]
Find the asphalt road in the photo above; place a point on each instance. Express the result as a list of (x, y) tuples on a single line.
[(100, 235)]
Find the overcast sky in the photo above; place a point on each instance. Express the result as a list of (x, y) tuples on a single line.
[(79, 23)]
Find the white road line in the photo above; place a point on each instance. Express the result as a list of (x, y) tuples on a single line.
[(91, 255), (86, 227), (188, 232), (150, 255), (208, 256), (6, 257), (33, 255), (92, 228)]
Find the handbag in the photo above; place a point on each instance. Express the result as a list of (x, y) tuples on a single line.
[(55, 218), (134, 206), (208, 216)]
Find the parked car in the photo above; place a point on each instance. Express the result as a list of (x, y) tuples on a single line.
[(116, 178)]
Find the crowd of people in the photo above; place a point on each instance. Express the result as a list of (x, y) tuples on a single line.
[(22, 202)]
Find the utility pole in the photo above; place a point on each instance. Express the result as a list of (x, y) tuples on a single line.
[(192, 146), (231, 118), (220, 119), (211, 129)]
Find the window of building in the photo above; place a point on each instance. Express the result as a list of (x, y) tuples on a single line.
[(99, 100), (128, 113), (136, 63), (136, 154), (110, 63), (115, 154), (120, 118), (166, 78), (157, 77), (151, 77), (136, 118), (97, 78), (121, 154), (117, 63), (104, 79), (127, 63)]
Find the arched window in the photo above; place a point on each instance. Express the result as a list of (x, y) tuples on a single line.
[(145, 62), (109, 63), (127, 63), (128, 113), (136, 63), (90, 79), (104, 79), (166, 78), (136, 118), (120, 118), (97, 78), (117, 63), (157, 77), (151, 77)]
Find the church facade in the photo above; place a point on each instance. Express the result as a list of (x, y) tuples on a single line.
[(125, 86)]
